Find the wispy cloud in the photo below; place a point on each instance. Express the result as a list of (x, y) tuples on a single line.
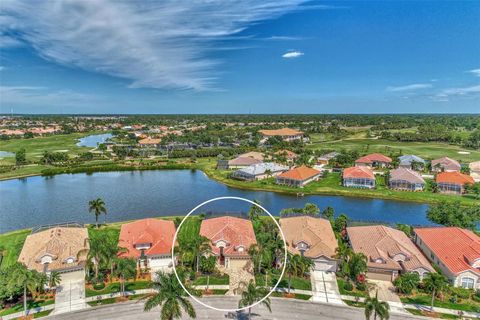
[(292, 54), (284, 38), (410, 87), (475, 72), (445, 94), (157, 44)]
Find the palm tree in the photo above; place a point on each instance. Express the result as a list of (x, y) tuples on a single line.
[(110, 251), (380, 308), (97, 206), (435, 283), (54, 279), (125, 268), (29, 279), (343, 253), (171, 298), (254, 212), (96, 253), (292, 268), (251, 295), (199, 246)]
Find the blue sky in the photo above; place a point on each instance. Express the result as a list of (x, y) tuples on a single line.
[(287, 56)]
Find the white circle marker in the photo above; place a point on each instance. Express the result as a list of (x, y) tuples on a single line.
[(284, 259)]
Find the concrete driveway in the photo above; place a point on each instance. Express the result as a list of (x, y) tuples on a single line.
[(325, 288), (386, 292), (70, 294)]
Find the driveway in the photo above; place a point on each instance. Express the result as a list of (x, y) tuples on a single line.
[(325, 288), (386, 292), (70, 294)]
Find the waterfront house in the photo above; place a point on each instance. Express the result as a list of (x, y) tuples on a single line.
[(374, 160), (259, 171), (453, 182), (149, 241), (475, 170), (62, 248), (326, 158), (230, 239), (149, 142), (411, 161), (389, 252), (286, 134), (242, 162), (455, 251), (312, 238), (253, 154), (298, 177), (358, 177), (445, 164), (406, 179)]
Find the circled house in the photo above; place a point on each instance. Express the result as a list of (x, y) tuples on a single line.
[(149, 242), (230, 239)]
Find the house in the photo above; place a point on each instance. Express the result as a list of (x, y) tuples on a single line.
[(149, 241), (259, 171), (312, 238), (406, 179), (242, 162), (453, 182), (286, 134), (455, 251), (62, 249), (325, 159), (298, 177), (374, 160), (358, 177), (289, 156), (475, 170), (230, 238), (445, 164), (389, 252), (411, 161), (149, 142), (253, 154)]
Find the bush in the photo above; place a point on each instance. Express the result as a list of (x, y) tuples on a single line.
[(453, 299), (348, 286), (361, 286), (461, 293), (99, 286)]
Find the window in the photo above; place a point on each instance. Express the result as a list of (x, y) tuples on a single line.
[(468, 283)]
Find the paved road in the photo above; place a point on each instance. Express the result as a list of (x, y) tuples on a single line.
[(283, 309)]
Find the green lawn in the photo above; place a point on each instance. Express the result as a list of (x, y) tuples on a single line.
[(190, 227), (42, 314), (354, 292), (30, 305), (297, 282), (425, 299), (12, 244), (214, 280), (115, 287), (298, 296)]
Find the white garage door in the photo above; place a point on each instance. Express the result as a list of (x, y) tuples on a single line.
[(325, 265)]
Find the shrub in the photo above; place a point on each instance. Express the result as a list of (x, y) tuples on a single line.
[(361, 286), (348, 286), (461, 293), (99, 286), (453, 299)]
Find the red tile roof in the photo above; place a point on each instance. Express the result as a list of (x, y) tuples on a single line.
[(457, 248), (301, 173), (158, 233), (236, 232), (455, 178), (374, 157), (358, 172)]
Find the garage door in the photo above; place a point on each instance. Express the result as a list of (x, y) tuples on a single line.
[(324, 265), (379, 276), (72, 276)]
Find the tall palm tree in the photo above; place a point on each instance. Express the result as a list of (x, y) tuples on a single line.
[(96, 252), (97, 206), (110, 251), (377, 308), (435, 283), (54, 279), (200, 245), (171, 298), (125, 269), (251, 295), (29, 279), (292, 267)]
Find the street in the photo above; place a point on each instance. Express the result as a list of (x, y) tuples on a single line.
[(281, 309)]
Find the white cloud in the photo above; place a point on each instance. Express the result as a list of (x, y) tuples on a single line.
[(292, 54), (157, 44), (283, 38), (410, 87), (476, 72)]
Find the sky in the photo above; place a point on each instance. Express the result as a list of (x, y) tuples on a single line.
[(220, 56)]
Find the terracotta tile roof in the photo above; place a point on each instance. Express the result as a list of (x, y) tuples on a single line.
[(301, 173), (253, 154), (60, 243), (385, 243), (289, 154), (447, 164), (155, 232), (281, 132), (457, 248), (317, 233), (407, 175), (454, 177), (149, 140), (374, 157), (236, 232), (358, 172), (243, 161)]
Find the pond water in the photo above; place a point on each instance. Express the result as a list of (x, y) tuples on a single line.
[(93, 140), (5, 154), (35, 201)]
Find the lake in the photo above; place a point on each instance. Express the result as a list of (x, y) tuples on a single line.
[(34, 201), (5, 154), (93, 140)]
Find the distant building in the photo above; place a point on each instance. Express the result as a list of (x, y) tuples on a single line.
[(253, 154), (259, 171), (286, 134), (298, 177), (475, 170), (446, 164), (455, 251), (326, 158), (389, 252), (453, 182), (230, 238), (359, 177), (242, 162), (406, 179), (149, 142), (374, 160), (312, 238), (406, 161), (289, 155)]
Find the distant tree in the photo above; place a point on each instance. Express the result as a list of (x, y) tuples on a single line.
[(20, 157), (97, 206), (28, 135), (329, 214), (311, 209), (454, 214)]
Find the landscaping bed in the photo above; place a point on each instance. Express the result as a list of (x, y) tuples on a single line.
[(115, 287)]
